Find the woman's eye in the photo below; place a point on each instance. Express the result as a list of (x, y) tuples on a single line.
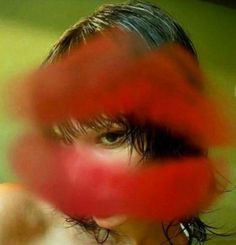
[(111, 138)]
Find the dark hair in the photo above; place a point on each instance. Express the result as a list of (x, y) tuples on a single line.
[(156, 27), (152, 24)]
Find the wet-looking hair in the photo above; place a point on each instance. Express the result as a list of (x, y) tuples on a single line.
[(153, 141)]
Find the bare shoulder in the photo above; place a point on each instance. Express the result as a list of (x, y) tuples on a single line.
[(24, 219)]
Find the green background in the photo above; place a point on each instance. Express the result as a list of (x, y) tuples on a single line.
[(28, 28)]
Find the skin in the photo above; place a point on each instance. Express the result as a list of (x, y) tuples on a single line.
[(18, 226), (26, 220)]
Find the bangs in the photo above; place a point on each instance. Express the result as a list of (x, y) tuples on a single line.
[(71, 129), (135, 135)]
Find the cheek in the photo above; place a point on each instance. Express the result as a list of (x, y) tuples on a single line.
[(116, 156)]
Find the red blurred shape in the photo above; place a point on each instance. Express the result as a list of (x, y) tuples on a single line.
[(79, 185), (115, 74)]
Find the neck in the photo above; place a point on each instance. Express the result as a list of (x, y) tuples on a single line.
[(147, 233)]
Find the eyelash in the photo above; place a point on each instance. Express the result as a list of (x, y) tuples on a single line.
[(120, 138)]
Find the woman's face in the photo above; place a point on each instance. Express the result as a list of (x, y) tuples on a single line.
[(109, 143)]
